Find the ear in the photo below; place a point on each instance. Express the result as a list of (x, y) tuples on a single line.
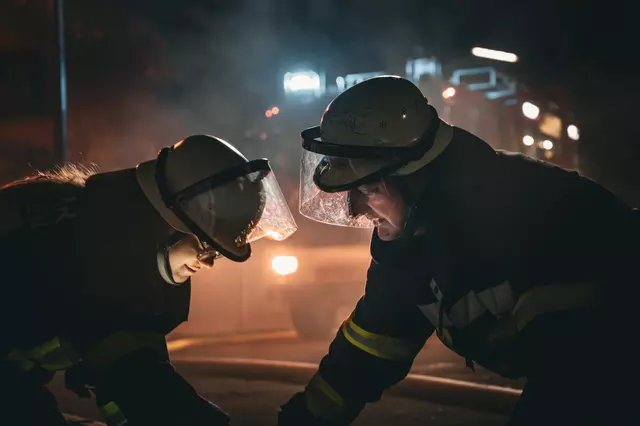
[(412, 186)]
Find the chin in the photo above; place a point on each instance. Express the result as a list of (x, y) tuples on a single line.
[(386, 234), (179, 279)]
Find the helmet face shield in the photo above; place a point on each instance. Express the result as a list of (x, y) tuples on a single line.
[(276, 222), (330, 174), (334, 208), (231, 209)]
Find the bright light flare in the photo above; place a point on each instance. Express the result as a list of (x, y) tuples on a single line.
[(301, 81), (548, 145), (528, 140), (273, 235), (496, 55), (268, 113), (573, 132), (449, 92), (530, 110), (275, 110), (285, 265)]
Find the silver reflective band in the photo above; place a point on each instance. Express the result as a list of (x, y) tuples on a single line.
[(500, 300), (497, 300), (431, 311), (378, 345)]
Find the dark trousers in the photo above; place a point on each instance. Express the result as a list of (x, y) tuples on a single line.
[(583, 372), (26, 400)]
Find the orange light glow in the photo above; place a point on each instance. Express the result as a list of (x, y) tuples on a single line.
[(285, 265), (449, 92)]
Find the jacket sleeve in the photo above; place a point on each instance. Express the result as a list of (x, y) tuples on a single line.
[(373, 350), (141, 386)]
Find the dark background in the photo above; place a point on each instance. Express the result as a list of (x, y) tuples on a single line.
[(145, 73)]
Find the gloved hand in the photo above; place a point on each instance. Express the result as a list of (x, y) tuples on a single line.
[(296, 413), (149, 391)]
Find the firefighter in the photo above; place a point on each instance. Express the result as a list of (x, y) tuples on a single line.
[(97, 270), (518, 266)]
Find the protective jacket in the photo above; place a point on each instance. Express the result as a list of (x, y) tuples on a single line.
[(83, 293), (515, 269)]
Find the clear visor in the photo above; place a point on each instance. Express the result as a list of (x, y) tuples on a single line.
[(233, 214), (343, 208)]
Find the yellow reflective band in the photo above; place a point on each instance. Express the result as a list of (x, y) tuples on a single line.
[(553, 298), (112, 414), (325, 403), (26, 365), (378, 345), (53, 355), (445, 338), (44, 349), (317, 382)]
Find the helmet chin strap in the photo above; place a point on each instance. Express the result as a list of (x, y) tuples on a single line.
[(412, 217)]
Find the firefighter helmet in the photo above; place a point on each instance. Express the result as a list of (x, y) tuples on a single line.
[(382, 126), (204, 186)]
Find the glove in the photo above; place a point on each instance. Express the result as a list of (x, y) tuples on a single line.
[(149, 391), (296, 413)]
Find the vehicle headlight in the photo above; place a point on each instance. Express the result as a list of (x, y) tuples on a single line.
[(528, 140), (284, 265), (573, 132), (548, 145), (530, 110), (449, 92), (301, 81)]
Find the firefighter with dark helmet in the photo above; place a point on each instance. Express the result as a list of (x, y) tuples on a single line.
[(516, 265), (97, 271)]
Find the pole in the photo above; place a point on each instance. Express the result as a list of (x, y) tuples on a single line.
[(60, 117)]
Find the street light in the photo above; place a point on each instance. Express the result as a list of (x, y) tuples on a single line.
[(528, 140), (496, 55), (573, 132), (60, 121), (530, 110), (548, 145)]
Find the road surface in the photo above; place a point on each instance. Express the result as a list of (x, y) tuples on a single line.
[(252, 403), (255, 402), (435, 359)]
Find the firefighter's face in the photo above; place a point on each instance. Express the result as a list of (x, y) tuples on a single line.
[(185, 258), (382, 202)]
